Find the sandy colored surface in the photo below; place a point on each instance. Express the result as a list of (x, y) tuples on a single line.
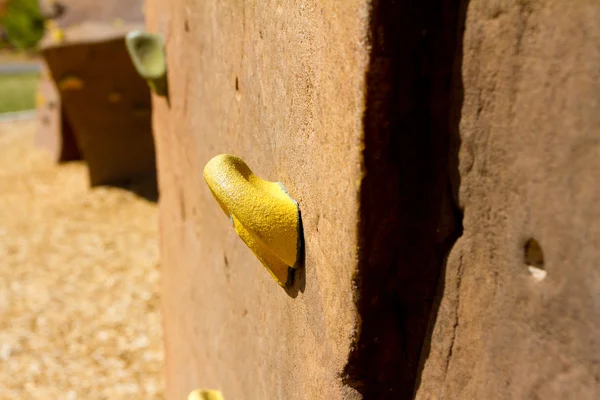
[(529, 168), (79, 308), (398, 127), (266, 83)]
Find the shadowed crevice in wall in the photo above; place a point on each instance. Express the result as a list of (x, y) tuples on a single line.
[(408, 216), (70, 150), (143, 185)]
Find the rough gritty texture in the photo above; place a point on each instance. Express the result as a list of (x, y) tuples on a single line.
[(264, 81), (79, 312), (407, 220), (529, 168), (292, 88)]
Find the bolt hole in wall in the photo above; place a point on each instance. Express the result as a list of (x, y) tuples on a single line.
[(238, 95), (533, 257)]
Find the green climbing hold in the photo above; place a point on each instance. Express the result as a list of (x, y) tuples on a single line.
[(148, 56)]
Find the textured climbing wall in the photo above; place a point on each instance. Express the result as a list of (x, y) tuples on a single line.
[(426, 142), (529, 169), (109, 110), (263, 81)]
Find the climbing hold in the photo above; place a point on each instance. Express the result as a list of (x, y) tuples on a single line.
[(40, 99), (147, 53), (114, 97), (70, 82), (205, 395), (57, 35), (263, 213)]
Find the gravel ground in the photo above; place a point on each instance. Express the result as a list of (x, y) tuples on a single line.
[(79, 304)]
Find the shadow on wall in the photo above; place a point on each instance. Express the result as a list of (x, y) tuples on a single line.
[(409, 219), (144, 186), (56, 135)]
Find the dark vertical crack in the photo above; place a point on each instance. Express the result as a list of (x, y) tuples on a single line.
[(69, 150), (408, 216)]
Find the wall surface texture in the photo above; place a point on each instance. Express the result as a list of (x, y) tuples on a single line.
[(265, 82), (426, 143), (529, 169)]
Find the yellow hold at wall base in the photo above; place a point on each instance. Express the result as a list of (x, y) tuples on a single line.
[(264, 215), (205, 395)]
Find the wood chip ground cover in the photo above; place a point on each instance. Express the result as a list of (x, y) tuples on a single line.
[(79, 305)]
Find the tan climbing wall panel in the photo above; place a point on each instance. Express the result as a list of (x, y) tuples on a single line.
[(529, 169), (108, 107), (488, 134), (266, 82)]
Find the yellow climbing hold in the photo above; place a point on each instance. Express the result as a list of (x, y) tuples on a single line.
[(205, 395), (114, 97), (56, 34), (264, 215), (40, 99), (70, 83)]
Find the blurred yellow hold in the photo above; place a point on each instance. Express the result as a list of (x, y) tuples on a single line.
[(264, 215), (70, 83), (205, 395), (114, 97), (57, 35), (40, 99)]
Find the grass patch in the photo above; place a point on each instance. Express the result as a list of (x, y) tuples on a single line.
[(17, 92)]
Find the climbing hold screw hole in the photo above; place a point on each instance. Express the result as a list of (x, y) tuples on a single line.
[(238, 95), (186, 25), (533, 256)]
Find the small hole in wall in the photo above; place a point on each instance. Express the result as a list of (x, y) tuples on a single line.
[(533, 257), (238, 95), (186, 25)]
